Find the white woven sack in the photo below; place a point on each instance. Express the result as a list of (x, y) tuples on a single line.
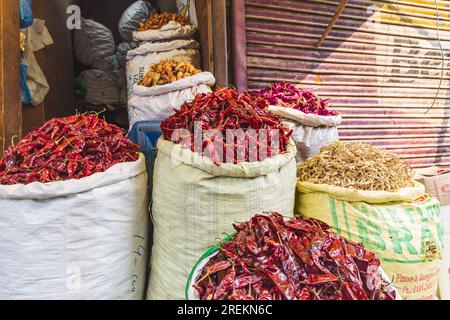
[(309, 131), (196, 202), (309, 140), (76, 239), (141, 58), (170, 31), (158, 103), (310, 120)]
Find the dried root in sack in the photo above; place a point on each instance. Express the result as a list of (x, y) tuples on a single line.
[(157, 20), (356, 166), (168, 71)]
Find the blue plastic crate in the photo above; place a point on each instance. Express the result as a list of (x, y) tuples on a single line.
[(146, 135)]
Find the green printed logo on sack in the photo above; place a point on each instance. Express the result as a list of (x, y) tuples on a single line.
[(408, 236)]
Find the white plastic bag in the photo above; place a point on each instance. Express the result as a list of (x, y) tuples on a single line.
[(172, 30), (157, 103), (38, 37), (196, 202), (76, 239), (141, 58), (122, 51), (187, 9), (309, 131)]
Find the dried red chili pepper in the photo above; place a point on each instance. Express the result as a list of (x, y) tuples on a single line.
[(66, 148), (287, 95), (219, 266), (253, 133), (271, 259)]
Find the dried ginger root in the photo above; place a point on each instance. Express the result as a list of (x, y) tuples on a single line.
[(356, 166), (168, 71), (157, 20)]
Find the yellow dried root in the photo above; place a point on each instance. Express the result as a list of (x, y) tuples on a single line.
[(168, 71), (157, 20), (356, 166)]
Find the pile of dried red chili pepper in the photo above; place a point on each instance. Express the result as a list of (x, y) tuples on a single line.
[(287, 95), (227, 113), (66, 148), (271, 258)]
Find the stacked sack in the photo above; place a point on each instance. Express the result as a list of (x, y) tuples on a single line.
[(313, 125), (202, 186), (104, 80), (74, 218), (162, 37), (369, 196)]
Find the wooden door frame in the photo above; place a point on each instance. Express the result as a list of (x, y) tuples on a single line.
[(212, 20), (10, 101), (239, 37)]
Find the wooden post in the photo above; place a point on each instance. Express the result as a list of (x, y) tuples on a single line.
[(212, 19), (204, 16), (335, 18), (239, 45), (10, 101), (220, 46)]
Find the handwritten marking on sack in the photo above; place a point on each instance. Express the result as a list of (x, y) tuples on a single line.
[(138, 253)]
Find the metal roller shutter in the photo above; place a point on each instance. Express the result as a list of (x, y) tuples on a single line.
[(380, 66)]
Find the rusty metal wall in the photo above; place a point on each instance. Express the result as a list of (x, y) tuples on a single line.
[(380, 66)]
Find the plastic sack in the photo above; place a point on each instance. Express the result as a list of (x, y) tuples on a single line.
[(309, 131), (309, 140), (158, 102), (26, 13), (111, 66), (141, 58), (100, 87), (171, 31), (38, 37), (77, 239), (122, 51), (306, 119), (132, 17), (407, 235), (24, 91), (93, 43), (187, 9), (195, 202)]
